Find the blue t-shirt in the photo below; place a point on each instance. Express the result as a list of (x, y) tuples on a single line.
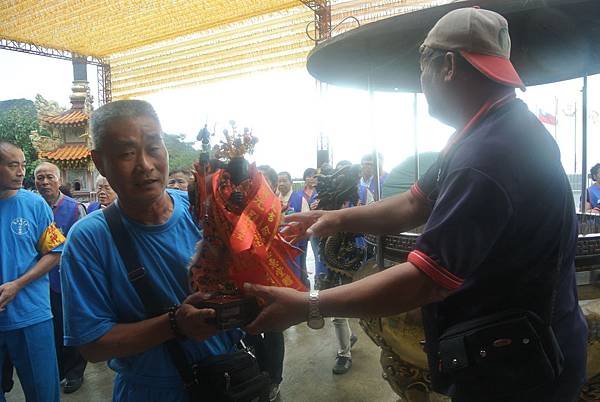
[(66, 213), (593, 196), (97, 293), (25, 235), (93, 206), (488, 240)]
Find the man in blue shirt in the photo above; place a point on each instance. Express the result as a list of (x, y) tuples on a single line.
[(487, 247), (592, 202), (104, 315), (67, 211), (30, 246), (104, 193), (367, 188)]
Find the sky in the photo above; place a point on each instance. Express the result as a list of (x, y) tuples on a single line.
[(291, 115)]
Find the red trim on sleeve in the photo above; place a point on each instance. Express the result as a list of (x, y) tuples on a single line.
[(435, 271), (417, 192)]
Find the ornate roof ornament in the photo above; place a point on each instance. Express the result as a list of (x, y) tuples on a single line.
[(235, 145)]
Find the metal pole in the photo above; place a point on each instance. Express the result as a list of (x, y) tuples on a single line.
[(584, 144), (556, 119), (379, 250), (377, 195), (416, 137), (575, 138)]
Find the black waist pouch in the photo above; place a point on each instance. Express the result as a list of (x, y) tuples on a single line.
[(234, 377), (500, 354)]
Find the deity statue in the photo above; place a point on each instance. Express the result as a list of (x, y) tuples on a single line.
[(240, 217)]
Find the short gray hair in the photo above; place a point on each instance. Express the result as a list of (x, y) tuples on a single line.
[(47, 165), (5, 146), (112, 111), (100, 177)]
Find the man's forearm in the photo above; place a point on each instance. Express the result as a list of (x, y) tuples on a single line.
[(43, 266), (396, 290), (129, 339), (395, 214)]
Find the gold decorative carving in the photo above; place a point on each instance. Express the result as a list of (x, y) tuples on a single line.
[(43, 143)]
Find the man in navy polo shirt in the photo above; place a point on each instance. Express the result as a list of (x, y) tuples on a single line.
[(486, 246)]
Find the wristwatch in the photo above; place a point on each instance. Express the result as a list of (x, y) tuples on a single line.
[(315, 319)]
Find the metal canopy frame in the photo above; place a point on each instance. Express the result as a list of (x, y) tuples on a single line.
[(322, 22), (367, 56), (103, 67)]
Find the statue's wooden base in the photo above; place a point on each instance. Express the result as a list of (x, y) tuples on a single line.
[(232, 311)]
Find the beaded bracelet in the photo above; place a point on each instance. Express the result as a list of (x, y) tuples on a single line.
[(173, 322)]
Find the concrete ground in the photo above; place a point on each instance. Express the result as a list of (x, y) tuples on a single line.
[(307, 376), (307, 373)]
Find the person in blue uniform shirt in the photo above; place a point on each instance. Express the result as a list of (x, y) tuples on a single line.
[(301, 201), (487, 247), (592, 202), (104, 193), (30, 246), (66, 211), (104, 316), (367, 187)]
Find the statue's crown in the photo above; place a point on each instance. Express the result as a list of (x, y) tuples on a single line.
[(235, 145)]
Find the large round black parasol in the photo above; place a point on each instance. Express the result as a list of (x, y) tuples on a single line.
[(552, 40)]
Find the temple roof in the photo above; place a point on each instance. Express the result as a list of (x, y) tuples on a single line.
[(72, 118), (71, 152)]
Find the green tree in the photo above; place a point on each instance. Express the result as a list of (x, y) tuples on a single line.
[(182, 154), (17, 119)]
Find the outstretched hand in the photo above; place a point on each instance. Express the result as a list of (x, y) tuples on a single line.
[(192, 321), (284, 307), (315, 223)]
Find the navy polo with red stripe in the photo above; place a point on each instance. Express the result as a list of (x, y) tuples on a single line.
[(501, 210)]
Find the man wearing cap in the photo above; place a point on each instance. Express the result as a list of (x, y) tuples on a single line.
[(486, 247)]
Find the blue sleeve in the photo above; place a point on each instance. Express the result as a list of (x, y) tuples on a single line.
[(469, 216), (362, 195), (50, 238), (87, 309), (295, 201)]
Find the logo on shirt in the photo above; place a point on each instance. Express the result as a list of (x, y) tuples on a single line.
[(19, 226)]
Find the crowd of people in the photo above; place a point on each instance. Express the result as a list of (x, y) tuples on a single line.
[(87, 308), (26, 295), (68, 295)]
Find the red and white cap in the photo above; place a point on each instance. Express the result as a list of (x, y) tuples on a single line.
[(482, 38)]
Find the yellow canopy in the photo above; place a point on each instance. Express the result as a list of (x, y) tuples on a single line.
[(103, 27), (156, 44)]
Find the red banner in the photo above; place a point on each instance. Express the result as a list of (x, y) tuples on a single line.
[(243, 244)]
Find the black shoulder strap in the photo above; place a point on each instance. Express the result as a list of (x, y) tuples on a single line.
[(143, 286), (136, 273)]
